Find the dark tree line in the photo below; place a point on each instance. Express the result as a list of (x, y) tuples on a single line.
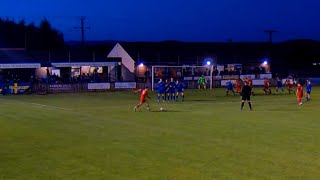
[(19, 35)]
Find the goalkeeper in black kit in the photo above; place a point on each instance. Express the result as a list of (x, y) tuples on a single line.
[(245, 95)]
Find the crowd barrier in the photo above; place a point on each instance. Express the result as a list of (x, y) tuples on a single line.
[(81, 87)]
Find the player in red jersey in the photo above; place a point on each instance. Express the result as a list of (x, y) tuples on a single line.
[(246, 81), (143, 96), (299, 93), (238, 86), (250, 81), (289, 85), (266, 88)]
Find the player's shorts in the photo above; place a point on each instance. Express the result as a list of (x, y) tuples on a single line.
[(279, 85), (246, 98), (229, 88), (160, 91), (172, 91), (308, 92), (180, 90), (142, 100)]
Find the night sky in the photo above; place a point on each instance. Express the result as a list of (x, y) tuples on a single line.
[(157, 20)]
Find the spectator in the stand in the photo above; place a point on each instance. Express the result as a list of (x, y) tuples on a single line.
[(226, 71), (95, 71), (215, 71), (185, 72), (207, 72), (237, 72), (48, 73), (179, 74)]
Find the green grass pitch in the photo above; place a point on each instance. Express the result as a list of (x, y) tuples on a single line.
[(98, 136)]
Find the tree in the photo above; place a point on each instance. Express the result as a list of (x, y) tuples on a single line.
[(44, 37)]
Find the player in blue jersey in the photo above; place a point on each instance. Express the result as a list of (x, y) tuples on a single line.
[(279, 85), (167, 90), (308, 89), (161, 90), (180, 90), (229, 87), (172, 90)]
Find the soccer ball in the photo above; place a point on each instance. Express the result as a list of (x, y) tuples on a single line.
[(161, 109)]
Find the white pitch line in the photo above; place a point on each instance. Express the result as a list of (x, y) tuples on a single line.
[(37, 104)]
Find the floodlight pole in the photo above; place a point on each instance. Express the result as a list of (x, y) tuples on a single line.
[(82, 28), (152, 77), (270, 32), (211, 76)]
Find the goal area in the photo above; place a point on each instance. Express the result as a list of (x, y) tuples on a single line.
[(188, 75)]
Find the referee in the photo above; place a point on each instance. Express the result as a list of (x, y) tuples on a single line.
[(245, 94)]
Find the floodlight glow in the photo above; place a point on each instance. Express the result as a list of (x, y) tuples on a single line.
[(208, 63), (141, 64), (265, 62)]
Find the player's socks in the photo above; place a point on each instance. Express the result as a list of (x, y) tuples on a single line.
[(250, 105), (242, 104), (163, 98), (158, 98), (177, 97), (182, 97), (136, 107)]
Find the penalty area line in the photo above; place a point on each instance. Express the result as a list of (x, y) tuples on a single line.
[(37, 104)]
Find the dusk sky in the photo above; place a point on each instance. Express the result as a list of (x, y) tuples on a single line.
[(157, 20)]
